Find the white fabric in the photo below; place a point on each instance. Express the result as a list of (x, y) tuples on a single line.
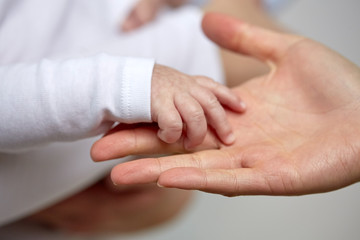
[(67, 100), (77, 36)]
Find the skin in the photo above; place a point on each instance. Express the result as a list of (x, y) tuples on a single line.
[(145, 205), (179, 100), (105, 208), (136, 206), (300, 134), (146, 11), (251, 11)]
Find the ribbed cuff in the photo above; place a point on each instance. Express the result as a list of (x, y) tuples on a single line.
[(136, 89)]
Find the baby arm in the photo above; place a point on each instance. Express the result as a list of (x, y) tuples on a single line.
[(187, 104), (71, 99), (67, 100)]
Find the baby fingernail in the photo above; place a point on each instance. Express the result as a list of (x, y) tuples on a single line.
[(230, 138), (242, 105)]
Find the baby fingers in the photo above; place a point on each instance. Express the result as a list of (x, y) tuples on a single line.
[(224, 94), (170, 124), (215, 114), (194, 118)]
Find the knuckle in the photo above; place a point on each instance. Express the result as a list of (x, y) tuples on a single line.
[(212, 102), (170, 122), (225, 91), (197, 115), (202, 80), (207, 98), (175, 126), (169, 137)]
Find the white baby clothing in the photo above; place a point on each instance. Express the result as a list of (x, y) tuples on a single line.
[(66, 75)]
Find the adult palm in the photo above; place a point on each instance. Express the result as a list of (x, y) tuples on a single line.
[(300, 133)]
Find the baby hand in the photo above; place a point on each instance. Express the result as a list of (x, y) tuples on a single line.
[(182, 103), (145, 11)]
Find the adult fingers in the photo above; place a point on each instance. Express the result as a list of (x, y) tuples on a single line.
[(149, 170), (124, 141), (142, 13), (141, 139), (228, 182), (131, 22), (244, 38)]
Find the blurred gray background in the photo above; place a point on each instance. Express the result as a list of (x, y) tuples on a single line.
[(330, 216)]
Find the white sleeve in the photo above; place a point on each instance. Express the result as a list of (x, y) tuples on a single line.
[(66, 100)]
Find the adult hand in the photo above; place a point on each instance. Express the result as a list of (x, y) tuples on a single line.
[(146, 11), (300, 134)]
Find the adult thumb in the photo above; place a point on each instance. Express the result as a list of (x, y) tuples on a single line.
[(244, 38)]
